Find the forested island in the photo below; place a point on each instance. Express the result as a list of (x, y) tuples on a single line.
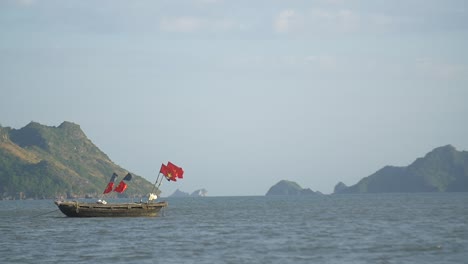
[(285, 187), (444, 169), (44, 162)]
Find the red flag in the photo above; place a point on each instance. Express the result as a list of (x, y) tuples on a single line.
[(167, 172), (109, 188), (180, 173), (164, 170), (177, 172), (171, 176), (110, 185), (121, 187), (171, 171)]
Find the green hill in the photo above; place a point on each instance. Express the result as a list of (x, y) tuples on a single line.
[(40, 161), (285, 187), (444, 169)]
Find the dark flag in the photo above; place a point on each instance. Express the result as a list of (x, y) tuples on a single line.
[(122, 185), (127, 177), (110, 185)]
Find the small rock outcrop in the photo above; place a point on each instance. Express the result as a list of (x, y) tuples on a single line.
[(285, 187), (339, 187), (179, 193), (197, 193)]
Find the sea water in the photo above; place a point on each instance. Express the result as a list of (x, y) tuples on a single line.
[(370, 228)]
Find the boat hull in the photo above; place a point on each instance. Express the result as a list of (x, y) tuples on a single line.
[(77, 209)]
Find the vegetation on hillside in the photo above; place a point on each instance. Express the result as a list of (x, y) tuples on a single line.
[(39, 161), (442, 170)]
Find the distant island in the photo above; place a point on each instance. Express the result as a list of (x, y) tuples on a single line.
[(285, 187), (44, 162), (197, 193), (444, 169)]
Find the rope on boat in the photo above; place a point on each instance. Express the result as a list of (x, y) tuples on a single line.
[(44, 213)]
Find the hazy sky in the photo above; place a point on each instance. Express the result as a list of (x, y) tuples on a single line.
[(242, 94)]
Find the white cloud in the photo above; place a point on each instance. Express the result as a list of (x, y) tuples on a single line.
[(25, 3), (181, 24), (285, 21), (378, 22), (318, 63), (322, 61), (382, 20), (208, 1), (441, 70), (337, 21), (334, 2), (334, 20), (221, 25), (317, 20), (193, 24)]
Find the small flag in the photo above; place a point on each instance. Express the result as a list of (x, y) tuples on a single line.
[(164, 170), (110, 185), (127, 177), (171, 171), (170, 176), (122, 185), (177, 172)]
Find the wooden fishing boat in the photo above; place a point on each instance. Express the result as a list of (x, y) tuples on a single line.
[(83, 209), (103, 209)]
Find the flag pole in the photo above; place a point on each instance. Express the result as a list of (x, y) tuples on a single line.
[(160, 181), (157, 178), (158, 192)]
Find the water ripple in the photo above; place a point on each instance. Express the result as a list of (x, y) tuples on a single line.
[(391, 228)]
